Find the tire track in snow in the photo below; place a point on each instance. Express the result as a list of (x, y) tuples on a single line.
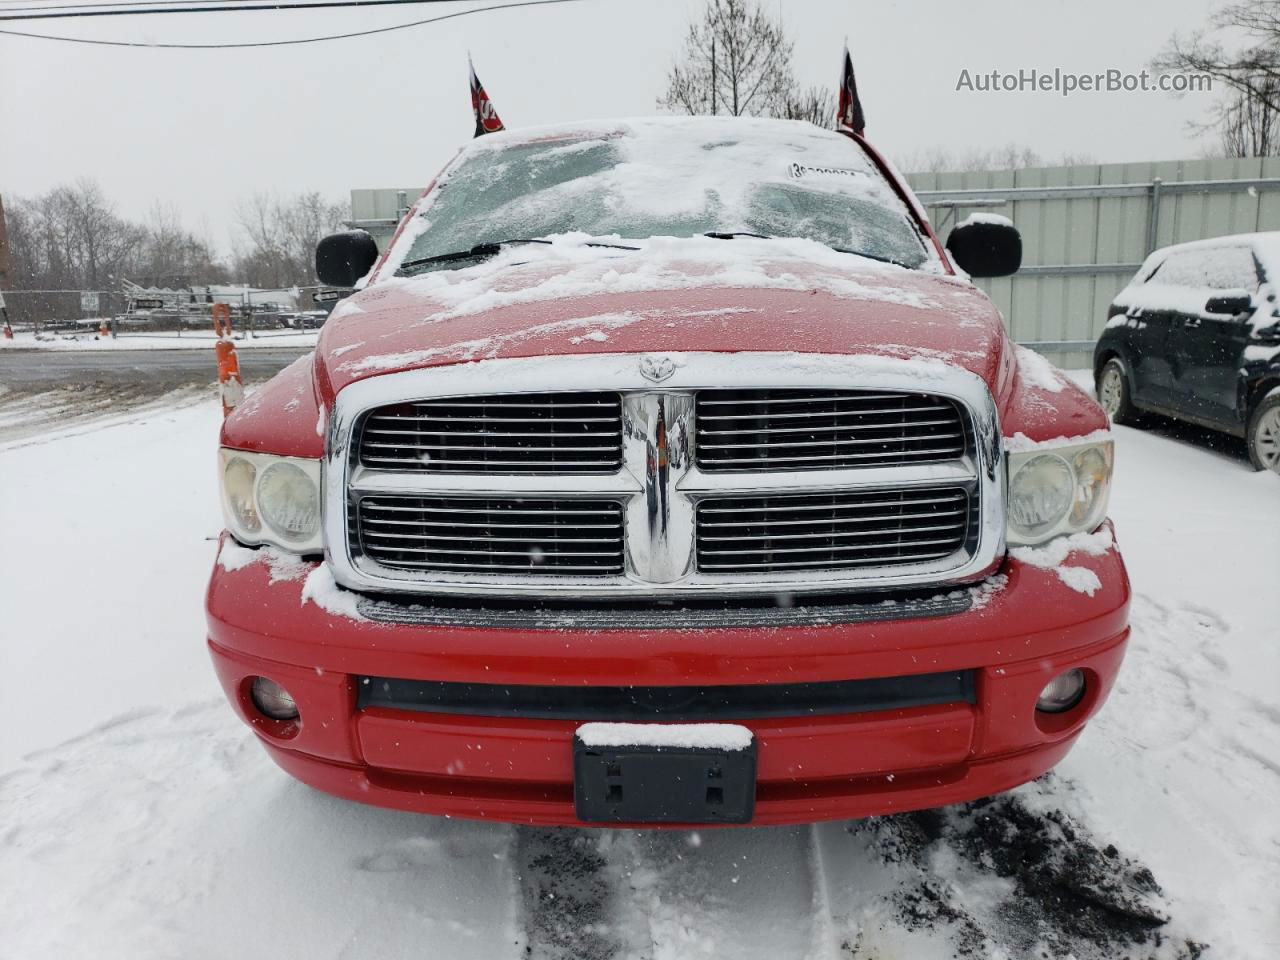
[(671, 894), (727, 892), (574, 909)]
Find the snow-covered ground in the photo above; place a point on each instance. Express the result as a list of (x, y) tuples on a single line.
[(139, 819), (199, 340)]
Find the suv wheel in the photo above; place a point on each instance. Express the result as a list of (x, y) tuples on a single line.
[(1113, 392), (1264, 434)]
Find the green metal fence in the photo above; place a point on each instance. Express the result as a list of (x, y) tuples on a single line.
[(1086, 229)]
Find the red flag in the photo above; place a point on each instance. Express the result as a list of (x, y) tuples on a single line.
[(487, 119), (849, 110)]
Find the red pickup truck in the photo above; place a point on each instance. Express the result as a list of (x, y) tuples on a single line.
[(667, 471)]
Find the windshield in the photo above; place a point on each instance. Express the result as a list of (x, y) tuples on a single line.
[(667, 179)]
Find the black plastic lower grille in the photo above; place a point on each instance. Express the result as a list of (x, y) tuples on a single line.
[(729, 702)]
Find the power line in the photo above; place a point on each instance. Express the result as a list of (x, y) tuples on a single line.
[(118, 10), (37, 6), (285, 43)]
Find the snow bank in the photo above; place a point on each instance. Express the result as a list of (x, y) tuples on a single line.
[(86, 341), (700, 736)]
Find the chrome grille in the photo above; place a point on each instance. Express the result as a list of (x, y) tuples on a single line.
[(830, 530), (824, 429), (494, 534), (522, 433), (663, 505)]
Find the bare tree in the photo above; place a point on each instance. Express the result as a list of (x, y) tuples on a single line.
[(1248, 127), (71, 239), (737, 60), (282, 237), (815, 104), (1251, 72)]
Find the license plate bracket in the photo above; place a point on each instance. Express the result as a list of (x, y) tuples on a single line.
[(644, 783)]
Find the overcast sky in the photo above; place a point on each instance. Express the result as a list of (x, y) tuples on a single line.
[(200, 130)]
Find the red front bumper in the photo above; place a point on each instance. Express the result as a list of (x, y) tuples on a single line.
[(809, 768)]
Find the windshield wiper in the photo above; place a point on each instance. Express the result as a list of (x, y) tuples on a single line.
[(483, 251), (730, 235), (874, 256)]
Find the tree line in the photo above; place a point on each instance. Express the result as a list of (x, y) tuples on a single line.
[(71, 239)]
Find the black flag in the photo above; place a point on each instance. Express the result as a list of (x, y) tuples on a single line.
[(849, 111), (487, 119)]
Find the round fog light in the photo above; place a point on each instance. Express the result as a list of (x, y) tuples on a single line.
[(273, 700), (1062, 692)]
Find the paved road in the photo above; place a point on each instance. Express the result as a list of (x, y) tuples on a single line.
[(154, 370)]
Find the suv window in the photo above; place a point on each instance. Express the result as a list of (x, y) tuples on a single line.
[(1218, 268)]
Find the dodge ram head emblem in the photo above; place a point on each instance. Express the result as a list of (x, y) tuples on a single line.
[(656, 369)]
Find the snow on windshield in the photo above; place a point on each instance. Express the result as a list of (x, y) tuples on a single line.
[(665, 178)]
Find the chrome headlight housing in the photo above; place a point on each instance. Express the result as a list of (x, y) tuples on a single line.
[(270, 499), (1057, 489)]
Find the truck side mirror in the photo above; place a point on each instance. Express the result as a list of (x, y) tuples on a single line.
[(986, 248), (1229, 304), (342, 259)]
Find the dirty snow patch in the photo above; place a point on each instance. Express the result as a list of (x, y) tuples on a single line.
[(701, 736)]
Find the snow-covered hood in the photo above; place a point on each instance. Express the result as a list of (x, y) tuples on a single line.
[(673, 295)]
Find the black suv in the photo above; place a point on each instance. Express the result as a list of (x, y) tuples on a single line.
[(1196, 335)]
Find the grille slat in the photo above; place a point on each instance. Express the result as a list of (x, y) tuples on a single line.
[(833, 536), (808, 415), (796, 396), (827, 461), (785, 445), (514, 434), (824, 429), (463, 466), (837, 428), (790, 532), (461, 534), (897, 558)]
